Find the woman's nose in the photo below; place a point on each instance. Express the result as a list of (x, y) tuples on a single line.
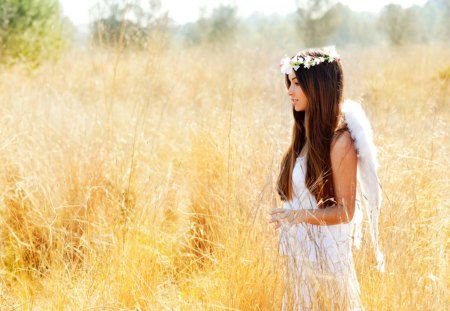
[(289, 91)]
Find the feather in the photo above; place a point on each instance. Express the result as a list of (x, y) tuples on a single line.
[(361, 132)]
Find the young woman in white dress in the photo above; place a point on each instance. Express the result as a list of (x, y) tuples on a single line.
[(318, 186)]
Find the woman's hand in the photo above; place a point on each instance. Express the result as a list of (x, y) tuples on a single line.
[(280, 215)]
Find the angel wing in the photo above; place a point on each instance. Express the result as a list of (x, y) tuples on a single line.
[(361, 132)]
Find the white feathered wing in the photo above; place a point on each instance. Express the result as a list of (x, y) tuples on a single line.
[(361, 132)]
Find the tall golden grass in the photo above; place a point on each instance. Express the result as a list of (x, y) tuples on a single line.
[(143, 180)]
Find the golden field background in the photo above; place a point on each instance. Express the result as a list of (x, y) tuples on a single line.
[(144, 180)]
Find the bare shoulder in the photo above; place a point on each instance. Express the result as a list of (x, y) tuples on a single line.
[(343, 149)]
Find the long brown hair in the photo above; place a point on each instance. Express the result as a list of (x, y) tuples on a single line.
[(315, 128)]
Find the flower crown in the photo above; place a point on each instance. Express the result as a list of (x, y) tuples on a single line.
[(295, 62)]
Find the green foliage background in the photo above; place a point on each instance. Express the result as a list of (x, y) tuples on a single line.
[(30, 31)]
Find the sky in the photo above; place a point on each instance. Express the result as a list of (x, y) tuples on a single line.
[(183, 11)]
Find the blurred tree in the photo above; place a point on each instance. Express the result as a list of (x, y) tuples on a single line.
[(126, 23), (30, 31), (435, 16), (355, 27), (219, 27), (398, 24), (260, 30), (446, 21), (196, 32), (223, 24), (321, 22), (317, 21)]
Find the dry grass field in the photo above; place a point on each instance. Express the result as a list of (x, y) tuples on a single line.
[(143, 180)]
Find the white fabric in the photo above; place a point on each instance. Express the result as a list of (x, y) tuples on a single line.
[(319, 257), (310, 285), (317, 242)]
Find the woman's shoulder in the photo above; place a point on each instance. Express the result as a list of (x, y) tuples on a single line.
[(341, 139), (341, 130), (342, 146)]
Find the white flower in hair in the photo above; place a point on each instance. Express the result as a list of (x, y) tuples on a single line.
[(331, 52), (308, 61), (285, 65), (300, 60), (318, 60)]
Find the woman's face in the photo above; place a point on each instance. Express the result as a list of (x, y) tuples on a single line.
[(295, 92)]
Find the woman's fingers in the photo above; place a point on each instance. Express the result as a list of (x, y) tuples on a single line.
[(277, 211), (279, 216)]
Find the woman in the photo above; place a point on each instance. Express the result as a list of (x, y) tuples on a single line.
[(318, 184)]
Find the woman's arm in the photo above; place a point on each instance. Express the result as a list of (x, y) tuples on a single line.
[(343, 164)]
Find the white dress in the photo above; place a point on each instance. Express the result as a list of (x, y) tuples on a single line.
[(320, 272)]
